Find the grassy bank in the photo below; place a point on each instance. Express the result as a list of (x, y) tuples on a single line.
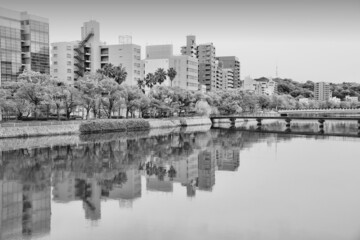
[(114, 125)]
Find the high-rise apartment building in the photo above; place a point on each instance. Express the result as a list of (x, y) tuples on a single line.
[(210, 66), (24, 44), (186, 67), (233, 63), (70, 60), (219, 75), (322, 91), (207, 66)]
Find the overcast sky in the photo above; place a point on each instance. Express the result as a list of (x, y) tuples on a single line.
[(316, 40)]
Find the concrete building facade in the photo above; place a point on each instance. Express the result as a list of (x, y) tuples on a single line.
[(207, 66), (186, 67), (228, 78), (90, 54), (24, 44)]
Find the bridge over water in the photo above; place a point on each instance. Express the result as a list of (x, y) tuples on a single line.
[(260, 117)]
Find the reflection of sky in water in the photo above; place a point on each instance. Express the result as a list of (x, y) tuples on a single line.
[(286, 187)]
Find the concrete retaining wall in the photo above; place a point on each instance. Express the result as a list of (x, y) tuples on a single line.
[(73, 128), (32, 131), (179, 122)]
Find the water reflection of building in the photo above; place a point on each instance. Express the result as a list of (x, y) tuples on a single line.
[(206, 164), (124, 186), (128, 191), (25, 206), (227, 159)]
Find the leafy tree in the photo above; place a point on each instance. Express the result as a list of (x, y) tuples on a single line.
[(71, 100), (171, 72), (90, 92), (110, 95), (118, 73), (56, 95), (32, 88), (132, 98), (264, 101)]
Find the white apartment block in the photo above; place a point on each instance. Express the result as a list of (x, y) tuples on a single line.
[(128, 55), (228, 78), (251, 85), (351, 99), (62, 58), (90, 54), (186, 67)]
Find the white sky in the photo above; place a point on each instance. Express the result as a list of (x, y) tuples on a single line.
[(314, 40)]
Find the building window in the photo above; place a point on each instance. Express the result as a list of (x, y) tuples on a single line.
[(55, 70), (69, 70), (68, 55), (55, 55), (69, 78), (55, 63), (68, 47), (69, 63), (55, 48)]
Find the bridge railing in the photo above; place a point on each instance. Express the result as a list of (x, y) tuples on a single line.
[(266, 114)]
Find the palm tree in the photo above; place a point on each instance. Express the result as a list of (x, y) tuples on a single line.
[(118, 73), (150, 80), (141, 84), (160, 75), (171, 72)]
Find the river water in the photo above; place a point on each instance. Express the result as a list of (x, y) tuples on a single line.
[(192, 183)]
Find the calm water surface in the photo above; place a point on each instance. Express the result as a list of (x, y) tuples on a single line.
[(215, 184)]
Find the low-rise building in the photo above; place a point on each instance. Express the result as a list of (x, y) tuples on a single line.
[(351, 99)]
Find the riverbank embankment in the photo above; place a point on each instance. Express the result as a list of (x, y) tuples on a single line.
[(37, 129)]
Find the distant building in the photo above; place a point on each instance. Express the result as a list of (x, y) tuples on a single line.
[(267, 86), (24, 44), (304, 100), (250, 85), (70, 60), (351, 99), (322, 91), (233, 63)]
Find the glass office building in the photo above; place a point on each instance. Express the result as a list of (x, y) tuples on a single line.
[(24, 44)]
